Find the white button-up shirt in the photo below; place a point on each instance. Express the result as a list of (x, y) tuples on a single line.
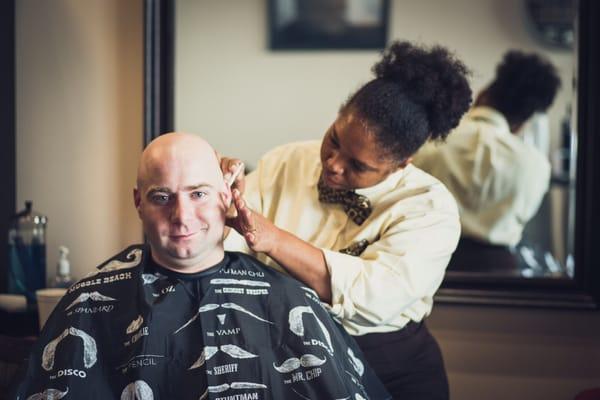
[(412, 232), (497, 179)]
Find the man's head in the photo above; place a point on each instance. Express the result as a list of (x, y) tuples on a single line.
[(524, 84), (182, 199)]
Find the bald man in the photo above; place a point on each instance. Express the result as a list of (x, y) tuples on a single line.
[(180, 318), (182, 199)]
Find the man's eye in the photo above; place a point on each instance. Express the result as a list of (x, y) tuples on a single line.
[(160, 198), (198, 194)]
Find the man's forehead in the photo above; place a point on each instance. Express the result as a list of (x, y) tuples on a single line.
[(177, 174)]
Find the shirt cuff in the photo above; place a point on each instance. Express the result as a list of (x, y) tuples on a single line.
[(344, 270)]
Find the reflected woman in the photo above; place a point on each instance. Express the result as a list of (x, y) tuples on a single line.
[(497, 178)]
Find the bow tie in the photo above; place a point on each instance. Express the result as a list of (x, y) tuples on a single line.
[(356, 206)]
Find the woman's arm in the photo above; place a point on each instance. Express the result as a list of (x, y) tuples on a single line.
[(300, 259), (394, 278)]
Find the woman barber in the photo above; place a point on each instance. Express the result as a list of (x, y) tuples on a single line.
[(354, 220)]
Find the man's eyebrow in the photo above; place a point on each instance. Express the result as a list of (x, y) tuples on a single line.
[(198, 186), (155, 189), (188, 188)]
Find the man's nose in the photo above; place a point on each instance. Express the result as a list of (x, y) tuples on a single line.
[(182, 210)]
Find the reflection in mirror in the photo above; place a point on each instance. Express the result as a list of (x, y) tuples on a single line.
[(246, 99), (496, 164)]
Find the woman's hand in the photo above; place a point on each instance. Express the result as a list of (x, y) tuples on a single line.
[(300, 259), (260, 233), (229, 167)]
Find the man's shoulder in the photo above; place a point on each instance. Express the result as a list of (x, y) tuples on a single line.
[(130, 257), (124, 262)]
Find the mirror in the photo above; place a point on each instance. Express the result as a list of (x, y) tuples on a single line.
[(245, 98)]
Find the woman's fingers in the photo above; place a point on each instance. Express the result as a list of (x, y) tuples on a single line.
[(244, 214), (233, 172)]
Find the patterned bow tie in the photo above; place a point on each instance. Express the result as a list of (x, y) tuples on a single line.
[(356, 206)]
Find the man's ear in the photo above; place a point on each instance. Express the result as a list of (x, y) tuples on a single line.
[(137, 199)]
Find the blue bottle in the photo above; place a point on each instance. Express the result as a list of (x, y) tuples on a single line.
[(27, 253)]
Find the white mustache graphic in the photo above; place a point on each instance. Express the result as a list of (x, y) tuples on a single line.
[(236, 385), (49, 394), (291, 364), (309, 290), (297, 326), (236, 352), (245, 282), (89, 348), (230, 349), (150, 278), (210, 307), (138, 390), (356, 363), (134, 255), (203, 395), (83, 297), (355, 380), (135, 324)]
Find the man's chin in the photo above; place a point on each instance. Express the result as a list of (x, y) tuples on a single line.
[(182, 253)]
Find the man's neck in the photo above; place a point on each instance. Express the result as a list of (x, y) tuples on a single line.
[(190, 266)]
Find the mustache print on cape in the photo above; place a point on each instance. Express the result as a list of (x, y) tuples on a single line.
[(83, 297), (135, 324), (244, 282), (230, 349), (135, 257), (138, 390), (89, 348), (210, 307), (49, 394), (293, 363), (297, 326)]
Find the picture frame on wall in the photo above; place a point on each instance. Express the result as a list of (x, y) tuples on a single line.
[(328, 24)]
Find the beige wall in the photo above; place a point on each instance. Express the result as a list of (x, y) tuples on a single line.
[(229, 84), (79, 102), (79, 122)]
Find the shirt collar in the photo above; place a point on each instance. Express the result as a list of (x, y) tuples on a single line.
[(490, 116), (392, 181)]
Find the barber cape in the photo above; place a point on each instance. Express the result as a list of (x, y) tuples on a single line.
[(238, 331)]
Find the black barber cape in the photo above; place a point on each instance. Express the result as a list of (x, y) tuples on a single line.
[(238, 331)]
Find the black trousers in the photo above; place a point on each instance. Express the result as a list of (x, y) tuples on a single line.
[(408, 362)]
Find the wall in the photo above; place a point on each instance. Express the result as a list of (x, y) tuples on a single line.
[(495, 353), (229, 83), (79, 122)]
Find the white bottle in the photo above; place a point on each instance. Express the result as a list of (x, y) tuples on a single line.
[(63, 269)]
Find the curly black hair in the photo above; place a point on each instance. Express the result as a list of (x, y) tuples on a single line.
[(525, 83), (417, 94)]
